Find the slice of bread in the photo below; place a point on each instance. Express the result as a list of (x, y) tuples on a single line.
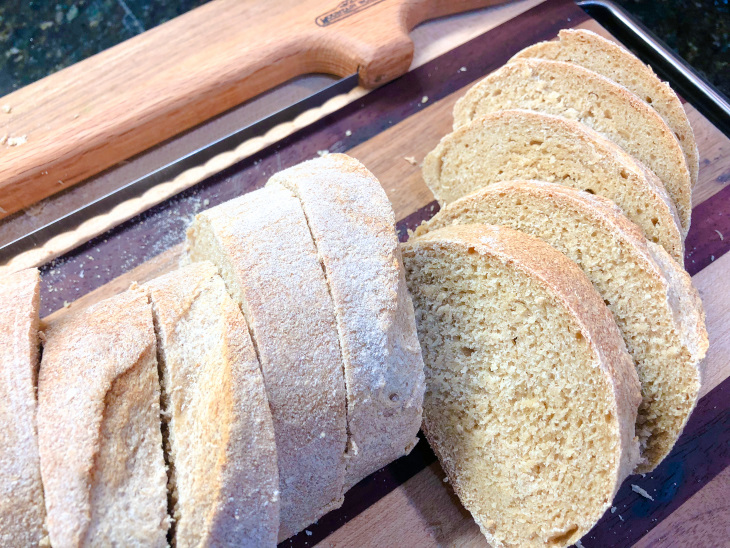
[(568, 90), (266, 255), (224, 479), (22, 511), (591, 51), (353, 226), (99, 427), (522, 144), (652, 299), (531, 397)]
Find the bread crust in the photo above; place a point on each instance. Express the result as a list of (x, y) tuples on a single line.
[(267, 257), (353, 226), (568, 90), (99, 427), (567, 284), (597, 155), (22, 510), (680, 303), (228, 475), (591, 51)]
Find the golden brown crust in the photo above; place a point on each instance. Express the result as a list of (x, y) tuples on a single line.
[(226, 478), (591, 51), (353, 226), (568, 90), (22, 511), (99, 427)]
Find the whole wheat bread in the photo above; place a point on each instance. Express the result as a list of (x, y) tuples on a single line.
[(571, 91), (22, 511), (652, 299), (266, 255), (531, 397), (99, 427), (353, 226)]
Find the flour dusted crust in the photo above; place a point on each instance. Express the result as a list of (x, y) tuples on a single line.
[(524, 144), (353, 226), (266, 255), (221, 447), (556, 285), (22, 511), (99, 427), (652, 298), (591, 51), (571, 91)]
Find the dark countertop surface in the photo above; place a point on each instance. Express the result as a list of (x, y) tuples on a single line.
[(39, 37)]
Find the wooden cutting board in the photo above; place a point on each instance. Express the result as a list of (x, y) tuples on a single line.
[(390, 130)]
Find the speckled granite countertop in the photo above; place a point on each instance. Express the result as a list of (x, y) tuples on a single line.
[(39, 36)]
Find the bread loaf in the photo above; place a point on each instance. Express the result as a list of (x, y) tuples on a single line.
[(99, 428), (568, 90), (522, 144), (353, 226), (266, 255), (652, 299), (22, 512), (591, 51), (221, 450), (531, 397)]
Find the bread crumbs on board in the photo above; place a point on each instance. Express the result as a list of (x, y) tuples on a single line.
[(636, 489)]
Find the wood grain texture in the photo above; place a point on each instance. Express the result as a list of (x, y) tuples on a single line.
[(91, 115), (407, 503)]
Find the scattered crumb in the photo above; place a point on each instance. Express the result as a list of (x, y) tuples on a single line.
[(76, 116), (46, 25), (66, 304), (446, 479), (636, 489), (613, 509), (323, 152), (2, 210), (17, 141), (579, 544), (322, 435), (60, 182), (462, 69), (712, 258), (720, 234), (3, 139), (424, 99), (44, 173), (411, 160), (7, 109), (348, 133), (620, 517), (206, 202), (308, 532)]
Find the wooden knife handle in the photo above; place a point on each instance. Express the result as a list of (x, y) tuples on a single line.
[(96, 113)]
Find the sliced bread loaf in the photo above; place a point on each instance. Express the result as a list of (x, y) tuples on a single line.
[(99, 427), (652, 299), (22, 512), (224, 479), (353, 226), (266, 255), (607, 58), (522, 144), (571, 91), (531, 397)]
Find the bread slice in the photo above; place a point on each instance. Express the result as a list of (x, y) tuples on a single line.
[(652, 299), (523, 144), (22, 512), (591, 51), (353, 226), (267, 258), (99, 427), (531, 397), (221, 449), (571, 91)]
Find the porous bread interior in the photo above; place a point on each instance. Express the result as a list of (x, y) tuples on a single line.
[(591, 51), (514, 407), (195, 396), (567, 90), (527, 145), (116, 491), (630, 282)]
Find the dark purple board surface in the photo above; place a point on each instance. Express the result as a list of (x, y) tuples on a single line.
[(702, 452)]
